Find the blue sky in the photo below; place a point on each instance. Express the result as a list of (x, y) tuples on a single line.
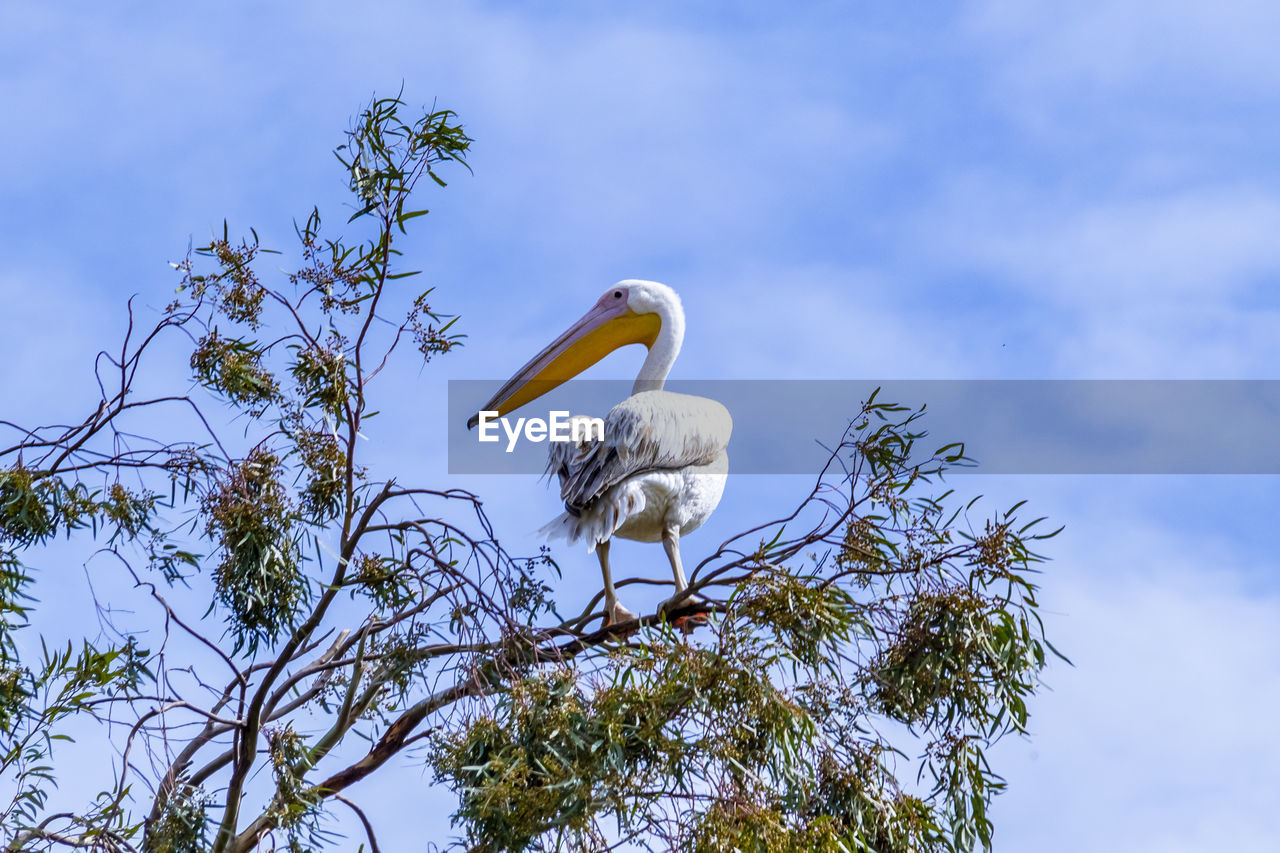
[(984, 190)]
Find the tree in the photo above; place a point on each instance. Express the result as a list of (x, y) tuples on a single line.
[(872, 634)]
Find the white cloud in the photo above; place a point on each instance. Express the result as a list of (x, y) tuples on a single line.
[(1159, 738), (1123, 285), (633, 144), (854, 323), (1199, 242), (1104, 44)]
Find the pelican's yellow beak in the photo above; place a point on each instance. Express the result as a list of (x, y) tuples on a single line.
[(606, 327)]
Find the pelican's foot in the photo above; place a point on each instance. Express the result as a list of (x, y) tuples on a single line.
[(685, 623), (615, 614)]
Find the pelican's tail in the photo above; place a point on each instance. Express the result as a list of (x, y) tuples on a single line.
[(599, 520), (563, 526)]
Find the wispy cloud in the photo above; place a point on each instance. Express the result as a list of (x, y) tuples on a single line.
[(1169, 285), (1225, 49), (1153, 741)]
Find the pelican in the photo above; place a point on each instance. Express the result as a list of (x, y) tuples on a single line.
[(659, 471)]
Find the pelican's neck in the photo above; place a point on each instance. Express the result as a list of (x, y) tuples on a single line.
[(662, 355)]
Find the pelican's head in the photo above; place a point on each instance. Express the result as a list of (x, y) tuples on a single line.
[(630, 312)]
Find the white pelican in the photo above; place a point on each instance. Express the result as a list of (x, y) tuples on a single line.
[(660, 469)]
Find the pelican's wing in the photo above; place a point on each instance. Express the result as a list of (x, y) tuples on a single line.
[(649, 431), (565, 457)]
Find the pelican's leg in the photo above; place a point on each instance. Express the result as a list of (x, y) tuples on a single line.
[(671, 543), (613, 611)]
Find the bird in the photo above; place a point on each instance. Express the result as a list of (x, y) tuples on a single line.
[(659, 470)]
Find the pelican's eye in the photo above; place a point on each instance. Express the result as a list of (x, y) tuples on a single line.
[(617, 294)]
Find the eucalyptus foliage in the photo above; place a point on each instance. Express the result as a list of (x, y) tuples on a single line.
[(862, 652)]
